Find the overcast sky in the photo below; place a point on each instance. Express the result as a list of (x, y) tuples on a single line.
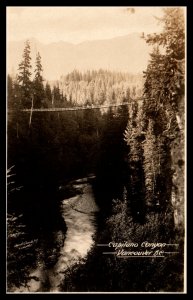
[(77, 24)]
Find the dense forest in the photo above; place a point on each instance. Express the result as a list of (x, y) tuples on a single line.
[(76, 89), (101, 87), (136, 153)]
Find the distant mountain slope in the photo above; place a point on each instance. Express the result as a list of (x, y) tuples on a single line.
[(128, 53)]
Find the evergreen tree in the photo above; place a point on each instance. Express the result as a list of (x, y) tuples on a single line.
[(56, 96), (10, 92), (38, 88), (135, 174), (24, 76), (153, 84), (151, 164), (166, 81), (48, 94)]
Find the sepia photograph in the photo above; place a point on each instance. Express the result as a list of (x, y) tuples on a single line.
[(95, 143)]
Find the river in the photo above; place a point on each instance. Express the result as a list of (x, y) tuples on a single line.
[(79, 213)]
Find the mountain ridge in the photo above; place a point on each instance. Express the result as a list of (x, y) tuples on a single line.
[(127, 53)]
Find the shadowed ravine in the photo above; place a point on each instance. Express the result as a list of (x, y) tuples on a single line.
[(79, 215)]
